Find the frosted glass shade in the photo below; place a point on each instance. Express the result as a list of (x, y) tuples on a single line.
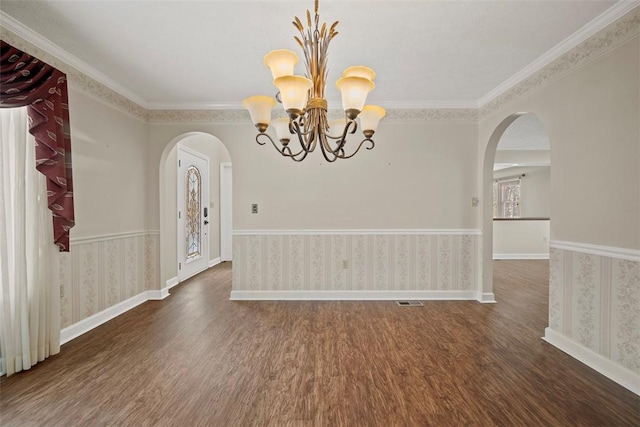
[(354, 91), (293, 91), (370, 116), (336, 127), (281, 62), (281, 125), (360, 71), (259, 107)]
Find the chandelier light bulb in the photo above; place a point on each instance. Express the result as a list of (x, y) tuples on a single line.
[(260, 107), (281, 125), (294, 91), (337, 125), (370, 116), (354, 93), (360, 71), (281, 62)]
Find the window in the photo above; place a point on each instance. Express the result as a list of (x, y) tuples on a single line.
[(193, 201), (506, 198)]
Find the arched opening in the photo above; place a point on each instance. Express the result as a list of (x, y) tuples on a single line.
[(211, 148), (521, 191), (524, 233)]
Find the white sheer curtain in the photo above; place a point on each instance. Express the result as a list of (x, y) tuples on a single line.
[(30, 294)]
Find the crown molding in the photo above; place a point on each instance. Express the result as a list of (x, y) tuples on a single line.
[(79, 80), (242, 116), (618, 24), (67, 58), (389, 105), (430, 105), (615, 26), (611, 15), (426, 115), (167, 106)]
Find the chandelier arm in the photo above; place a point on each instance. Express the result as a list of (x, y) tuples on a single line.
[(345, 131), (278, 149), (291, 154), (342, 140), (295, 157), (303, 137), (267, 136), (297, 129), (358, 149), (325, 149)]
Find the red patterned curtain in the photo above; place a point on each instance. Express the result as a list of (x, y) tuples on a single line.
[(27, 81)]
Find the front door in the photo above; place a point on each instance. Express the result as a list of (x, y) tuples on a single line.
[(193, 212)]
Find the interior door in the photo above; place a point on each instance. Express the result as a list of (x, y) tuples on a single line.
[(193, 212)]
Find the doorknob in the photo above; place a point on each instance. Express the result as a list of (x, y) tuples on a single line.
[(206, 222)]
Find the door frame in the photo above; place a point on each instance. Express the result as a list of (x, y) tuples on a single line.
[(226, 209)]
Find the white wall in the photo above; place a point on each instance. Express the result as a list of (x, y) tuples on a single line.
[(520, 239), (535, 189), (406, 181), (110, 166)]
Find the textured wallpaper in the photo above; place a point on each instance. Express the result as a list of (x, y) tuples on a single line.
[(373, 262), (595, 301), (103, 272)]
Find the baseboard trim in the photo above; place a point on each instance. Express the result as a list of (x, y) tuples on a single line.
[(487, 298), (623, 376), (521, 256), (155, 295), (352, 295), (85, 325), (171, 282), (214, 262)]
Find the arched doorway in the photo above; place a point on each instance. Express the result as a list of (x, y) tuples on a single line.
[(527, 148), (521, 191), (210, 147)]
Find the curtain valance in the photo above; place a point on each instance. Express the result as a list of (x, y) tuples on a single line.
[(27, 81)]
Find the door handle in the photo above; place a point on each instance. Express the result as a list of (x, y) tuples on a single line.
[(206, 222)]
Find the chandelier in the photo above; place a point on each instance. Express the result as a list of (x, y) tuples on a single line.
[(304, 100)]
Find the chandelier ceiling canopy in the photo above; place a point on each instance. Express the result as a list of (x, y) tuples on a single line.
[(303, 98)]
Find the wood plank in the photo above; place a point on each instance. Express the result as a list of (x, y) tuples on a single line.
[(197, 358)]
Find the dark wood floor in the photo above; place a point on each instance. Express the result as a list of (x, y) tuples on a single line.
[(198, 359)]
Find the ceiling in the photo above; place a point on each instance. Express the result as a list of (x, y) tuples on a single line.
[(525, 133), (195, 54)]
